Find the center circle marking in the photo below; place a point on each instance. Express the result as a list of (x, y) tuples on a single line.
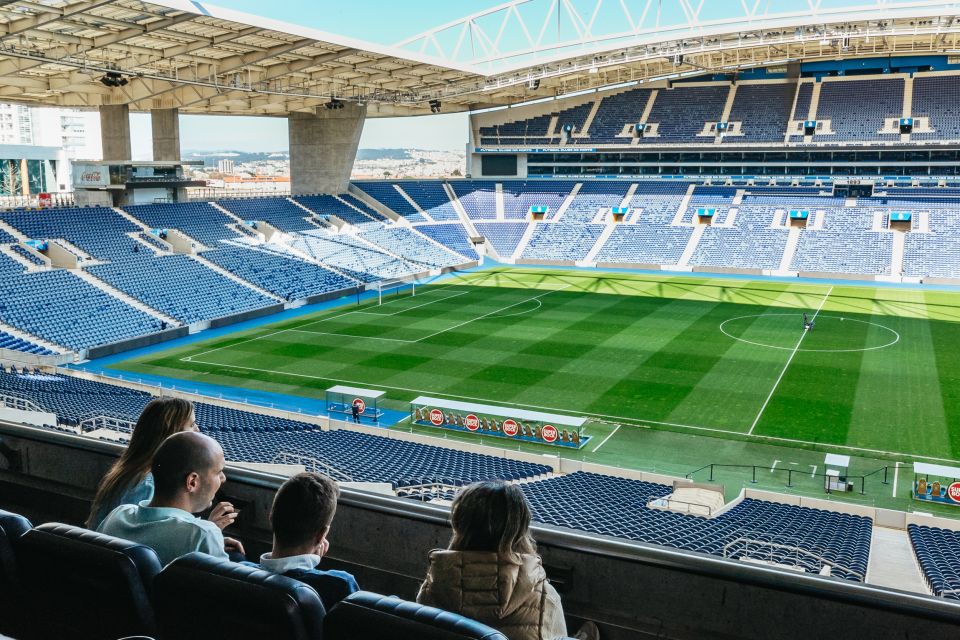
[(895, 340)]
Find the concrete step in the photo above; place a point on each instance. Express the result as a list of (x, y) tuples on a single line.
[(566, 202), (892, 562), (525, 240)]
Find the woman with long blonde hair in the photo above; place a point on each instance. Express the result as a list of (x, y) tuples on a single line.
[(129, 480), (491, 571)]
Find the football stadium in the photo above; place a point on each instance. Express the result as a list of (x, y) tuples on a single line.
[(694, 301)]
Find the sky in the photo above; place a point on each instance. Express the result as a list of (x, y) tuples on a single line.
[(378, 21)]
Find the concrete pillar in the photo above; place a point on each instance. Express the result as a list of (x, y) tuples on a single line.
[(323, 146), (166, 134), (115, 131)]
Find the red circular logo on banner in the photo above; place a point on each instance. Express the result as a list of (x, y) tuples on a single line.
[(510, 428), (549, 433), (360, 404), (471, 422), (953, 492), (436, 417)]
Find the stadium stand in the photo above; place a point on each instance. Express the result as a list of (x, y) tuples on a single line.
[(761, 110), (937, 98), (615, 112), (874, 100), (27, 255), (78, 317), (98, 231), (477, 197), (453, 236), (387, 194), (279, 212), (593, 197), (519, 196), (936, 551), (618, 507), (352, 257), (563, 242), (412, 246), (432, 198), (288, 278), (749, 244), (683, 111), (504, 236), (845, 244), (199, 220), (180, 287), (359, 215)]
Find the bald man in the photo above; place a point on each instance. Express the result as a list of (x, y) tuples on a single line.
[(187, 473)]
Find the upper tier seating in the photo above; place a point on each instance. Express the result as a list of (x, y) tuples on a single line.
[(289, 278), (560, 241), (451, 235), (386, 194), (618, 507), (412, 246), (535, 130), (431, 197), (857, 109), (937, 552), (279, 212), (364, 218), (351, 256), (60, 307), (98, 231), (519, 196), (180, 287), (504, 236), (684, 110), (762, 111), (478, 198), (937, 98), (199, 220), (614, 113)]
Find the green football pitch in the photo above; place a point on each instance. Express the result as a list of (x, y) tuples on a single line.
[(674, 373)]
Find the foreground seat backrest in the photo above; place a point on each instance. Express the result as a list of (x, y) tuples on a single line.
[(82, 584), (201, 597), (370, 616), (12, 527)]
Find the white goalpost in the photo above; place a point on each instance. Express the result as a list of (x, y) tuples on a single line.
[(386, 287)]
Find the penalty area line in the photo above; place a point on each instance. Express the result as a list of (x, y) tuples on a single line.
[(612, 433)]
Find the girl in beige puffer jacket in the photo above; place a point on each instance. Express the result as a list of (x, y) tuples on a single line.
[(491, 571)]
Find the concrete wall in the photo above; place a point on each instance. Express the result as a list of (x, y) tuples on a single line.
[(323, 146), (115, 131), (166, 134)]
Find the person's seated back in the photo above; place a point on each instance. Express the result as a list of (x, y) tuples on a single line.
[(491, 571), (187, 473), (301, 516)]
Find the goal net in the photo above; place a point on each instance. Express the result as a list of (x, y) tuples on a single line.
[(389, 289)]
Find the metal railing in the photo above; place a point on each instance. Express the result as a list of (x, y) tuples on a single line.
[(110, 423), (755, 547), (689, 508), (22, 404), (311, 462), (65, 199), (790, 474)]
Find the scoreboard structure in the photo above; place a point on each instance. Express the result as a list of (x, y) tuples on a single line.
[(502, 422)]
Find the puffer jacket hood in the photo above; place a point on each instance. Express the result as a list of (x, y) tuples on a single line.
[(509, 592)]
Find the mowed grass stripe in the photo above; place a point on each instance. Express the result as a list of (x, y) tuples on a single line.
[(946, 338), (900, 386)]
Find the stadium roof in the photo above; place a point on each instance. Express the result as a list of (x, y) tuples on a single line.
[(205, 59)]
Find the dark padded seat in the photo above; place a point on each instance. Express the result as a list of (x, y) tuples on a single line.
[(370, 616), (201, 597), (12, 526), (82, 584)]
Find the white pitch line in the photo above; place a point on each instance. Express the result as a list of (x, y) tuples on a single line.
[(896, 474), (774, 465), (300, 326), (597, 448), (786, 366), (374, 313), (348, 335), (634, 422)]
